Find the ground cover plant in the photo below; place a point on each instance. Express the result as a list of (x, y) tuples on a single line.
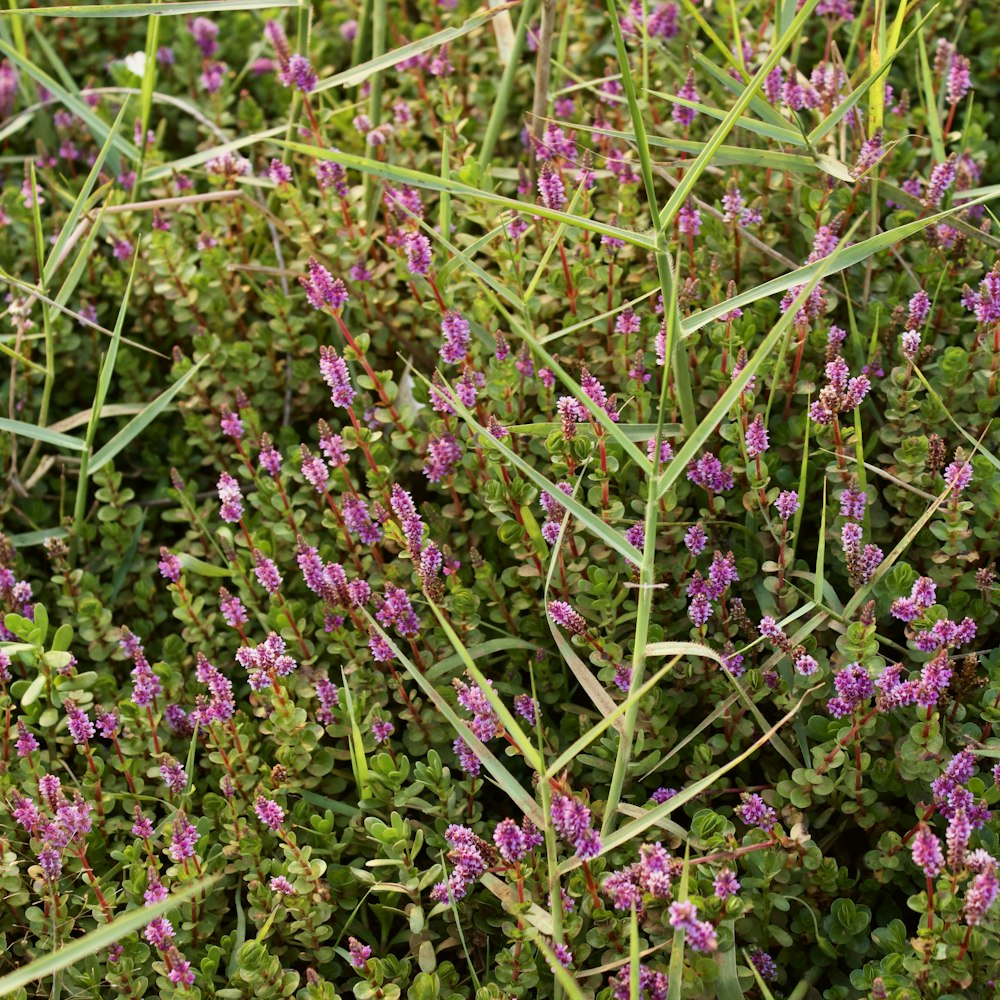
[(499, 501)]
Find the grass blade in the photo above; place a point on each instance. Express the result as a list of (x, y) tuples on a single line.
[(140, 422), (358, 74), (99, 129), (430, 182), (100, 938), (44, 434), (180, 8)]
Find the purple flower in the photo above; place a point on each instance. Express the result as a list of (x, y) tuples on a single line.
[(141, 826), (443, 454), (681, 114), (510, 841), (182, 839), (335, 373), (959, 79), (926, 851), (710, 474), (328, 697), (359, 521), (957, 476), (205, 33), (525, 707), (756, 437), (232, 609), (981, 895), (551, 188), (382, 729), (266, 572), (299, 73), (169, 565), (942, 178), (322, 289), (563, 614), (159, 933), (764, 964), (457, 337), (26, 742), (787, 504), (695, 539), (726, 884), (282, 886), (418, 252), (269, 456), (156, 891), (79, 724), (279, 173), (689, 219), (854, 686), (231, 499), (700, 934), (174, 776), (397, 611), (269, 812), (359, 953), (755, 812)]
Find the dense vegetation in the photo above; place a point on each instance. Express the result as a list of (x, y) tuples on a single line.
[(499, 502)]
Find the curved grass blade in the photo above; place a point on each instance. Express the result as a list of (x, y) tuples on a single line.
[(431, 182), (635, 829), (101, 938), (840, 260), (358, 74), (524, 801), (77, 105), (140, 422)]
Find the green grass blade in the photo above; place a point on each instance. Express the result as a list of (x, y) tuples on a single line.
[(697, 649), (140, 422), (431, 182), (511, 724), (79, 205), (582, 513), (524, 801), (498, 113), (930, 103), (727, 986), (686, 186), (180, 8), (837, 115), (861, 595), (563, 976), (358, 74), (725, 155), (637, 827), (675, 986), (356, 744), (98, 127), (838, 261), (24, 429), (203, 156), (100, 938), (762, 109)]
